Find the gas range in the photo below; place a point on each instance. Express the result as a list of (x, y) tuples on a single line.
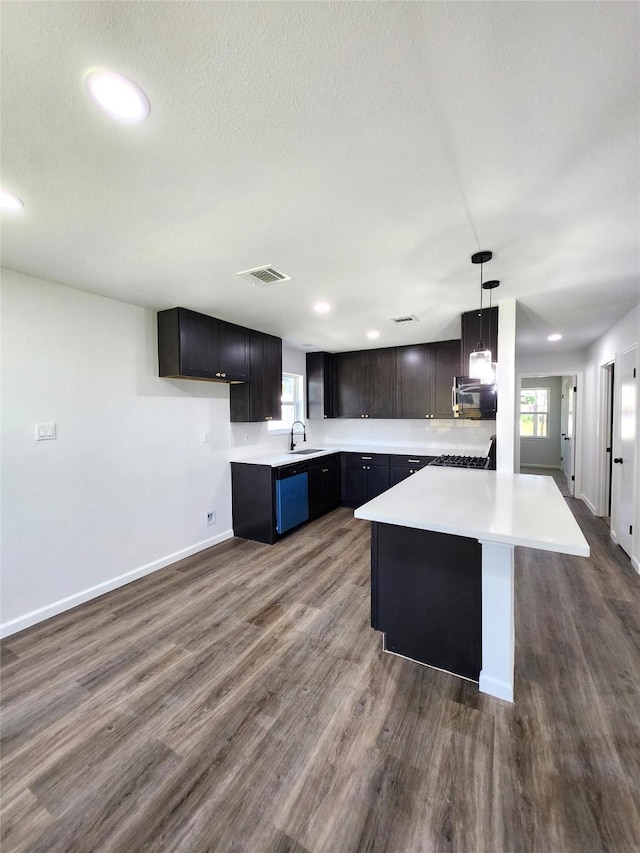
[(447, 461)]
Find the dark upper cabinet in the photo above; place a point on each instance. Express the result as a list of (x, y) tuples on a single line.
[(471, 334), (186, 344), (232, 352), (320, 385), (196, 346), (261, 398), (425, 377), (365, 383), (351, 391), (381, 382), (414, 381), (445, 364)]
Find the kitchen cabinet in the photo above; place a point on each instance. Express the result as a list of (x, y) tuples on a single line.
[(471, 334), (324, 484), (363, 476), (320, 385), (253, 502), (261, 398), (197, 346), (402, 467), (424, 379), (365, 383)]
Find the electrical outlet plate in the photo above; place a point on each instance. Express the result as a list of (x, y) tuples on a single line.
[(211, 517)]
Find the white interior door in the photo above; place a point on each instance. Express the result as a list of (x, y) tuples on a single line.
[(568, 422), (625, 412)]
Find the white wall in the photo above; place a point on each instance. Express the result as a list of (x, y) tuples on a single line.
[(545, 452), (126, 486)]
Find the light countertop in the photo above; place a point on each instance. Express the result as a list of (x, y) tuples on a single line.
[(275, 460), (511, 509)]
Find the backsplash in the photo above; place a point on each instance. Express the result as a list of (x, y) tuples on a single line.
[(436, 436), (256, 439), (440, 436)]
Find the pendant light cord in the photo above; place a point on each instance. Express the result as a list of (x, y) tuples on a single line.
[(481, 341)]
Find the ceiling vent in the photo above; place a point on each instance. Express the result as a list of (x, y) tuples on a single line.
[(407, 318), (264, 276)]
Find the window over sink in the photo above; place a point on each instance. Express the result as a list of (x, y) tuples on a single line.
[(292, 402)]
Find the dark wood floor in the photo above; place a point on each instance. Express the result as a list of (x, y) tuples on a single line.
[(239, 701)]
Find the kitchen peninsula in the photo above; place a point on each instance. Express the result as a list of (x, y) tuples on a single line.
[(442, 558)]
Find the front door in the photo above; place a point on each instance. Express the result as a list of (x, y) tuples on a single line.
[(624, 449)]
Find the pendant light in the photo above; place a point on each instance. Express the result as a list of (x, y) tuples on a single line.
[(481, 364)]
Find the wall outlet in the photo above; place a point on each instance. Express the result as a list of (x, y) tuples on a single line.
[(211, 517)]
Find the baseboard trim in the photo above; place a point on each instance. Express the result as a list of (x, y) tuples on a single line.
[(71, 601), (533, 465), (586, 500), (496, 687), (635, 562)]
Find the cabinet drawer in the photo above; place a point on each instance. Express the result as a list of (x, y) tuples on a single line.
[(411, 461), (366, 458)]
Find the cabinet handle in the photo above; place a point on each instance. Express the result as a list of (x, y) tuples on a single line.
[(413, 460), (269, 418), (367, 458), (411, 471), (224, 375), (217, 374), (325, 470)]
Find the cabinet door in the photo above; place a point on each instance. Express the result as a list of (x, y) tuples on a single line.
[(186, 344), (272, 378), (398, 473), (320, 385), (445, 364), (381, 382), (471, 334), (353, 483), (414, 381), (351, 389), (316, 504), (330, 485), (232, 352), (378, 480)]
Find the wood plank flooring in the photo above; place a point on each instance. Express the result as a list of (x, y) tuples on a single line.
[(240, 701)]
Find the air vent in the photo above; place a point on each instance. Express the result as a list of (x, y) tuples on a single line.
[(264, 276), (408, 318)]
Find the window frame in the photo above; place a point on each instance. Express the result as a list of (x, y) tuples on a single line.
[(546, 412), (278, 427)]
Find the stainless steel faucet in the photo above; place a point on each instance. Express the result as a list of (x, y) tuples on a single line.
[(304, 433)]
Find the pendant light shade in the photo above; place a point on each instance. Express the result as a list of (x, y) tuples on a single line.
[(481, 364)]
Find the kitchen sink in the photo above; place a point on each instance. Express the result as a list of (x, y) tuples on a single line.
[(304, 452)]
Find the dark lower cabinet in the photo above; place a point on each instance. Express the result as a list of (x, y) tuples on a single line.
[(324, 485), (426, 596), (363, 476), (404, 466)]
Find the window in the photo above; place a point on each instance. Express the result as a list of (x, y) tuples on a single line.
[(292, 402), (534, 411)]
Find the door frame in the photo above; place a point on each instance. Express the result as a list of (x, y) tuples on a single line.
[(579, 420), (605, 429)]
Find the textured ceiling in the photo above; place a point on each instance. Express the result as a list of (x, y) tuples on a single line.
[(366, 149)]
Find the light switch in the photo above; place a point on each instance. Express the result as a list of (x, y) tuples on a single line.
[(45, 432)]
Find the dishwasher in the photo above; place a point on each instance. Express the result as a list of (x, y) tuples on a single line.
[(292, 496)]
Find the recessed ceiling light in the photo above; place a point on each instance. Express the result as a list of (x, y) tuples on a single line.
[(322, 307), (9, 201), (116, 96), (554, 337), (373, 334)]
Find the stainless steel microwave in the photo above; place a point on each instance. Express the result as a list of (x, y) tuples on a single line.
[(472, 399)]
